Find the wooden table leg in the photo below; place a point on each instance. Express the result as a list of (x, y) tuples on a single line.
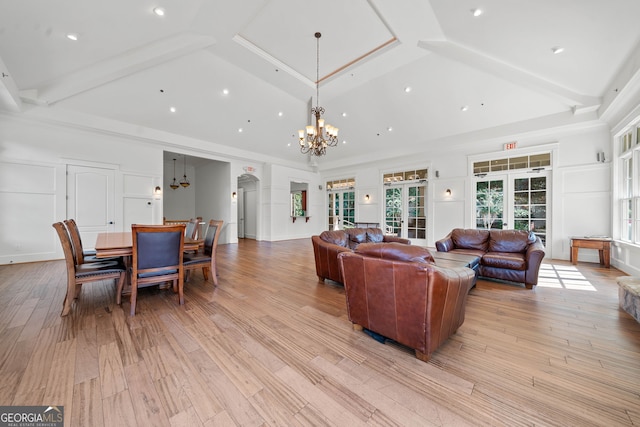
[(574, 255), (606, 256)]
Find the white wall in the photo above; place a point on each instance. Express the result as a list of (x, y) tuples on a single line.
[(33, 159), (277, 188), (181, 202)]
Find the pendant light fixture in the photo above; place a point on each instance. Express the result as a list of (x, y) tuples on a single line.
[(184, 181), (321, 135), (174, 183)]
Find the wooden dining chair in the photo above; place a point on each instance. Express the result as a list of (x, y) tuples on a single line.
[(156, 257), (205, 258), (192, 228), (81, 255), (79, 273)]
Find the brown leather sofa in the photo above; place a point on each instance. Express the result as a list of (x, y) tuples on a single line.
[(511, 255), (396, 291), (329, 244)]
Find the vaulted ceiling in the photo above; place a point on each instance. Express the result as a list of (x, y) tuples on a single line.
[(396, 77)]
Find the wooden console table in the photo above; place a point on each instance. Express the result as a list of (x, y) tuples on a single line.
[(602, 244)]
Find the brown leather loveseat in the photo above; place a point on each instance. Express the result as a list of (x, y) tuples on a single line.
[(511, 255), (396, 291), (329, 244)]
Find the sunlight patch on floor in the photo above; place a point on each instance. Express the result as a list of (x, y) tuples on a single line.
[(563, 276)]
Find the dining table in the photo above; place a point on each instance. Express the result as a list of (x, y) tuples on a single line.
[(120, 244)]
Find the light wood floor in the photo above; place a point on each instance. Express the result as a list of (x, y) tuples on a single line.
[(272, 346)]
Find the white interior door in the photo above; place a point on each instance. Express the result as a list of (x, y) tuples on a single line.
[(241, 213), (90, 201)]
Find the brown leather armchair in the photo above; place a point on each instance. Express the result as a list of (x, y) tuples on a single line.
[(329, 244), (395, 291)]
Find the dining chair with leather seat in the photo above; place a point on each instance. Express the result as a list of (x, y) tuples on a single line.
[(82, 256), (157, 257), (191, 231), (79, 273), (205, 258)]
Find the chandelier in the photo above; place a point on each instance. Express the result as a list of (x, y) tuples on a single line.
[(322, 135), (184, 182)]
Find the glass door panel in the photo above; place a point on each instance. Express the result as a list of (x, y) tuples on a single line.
[(416, 215), (514, 201), (530, 205), (405, 212), (334, 211), (348, 208), (393, 211), (490, 204), (342, 212)]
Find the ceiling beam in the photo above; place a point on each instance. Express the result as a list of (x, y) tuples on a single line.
[(578, 103), (9, 93), (114, 68)]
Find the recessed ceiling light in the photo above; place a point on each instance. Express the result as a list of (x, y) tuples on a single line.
[(344, 141), (172, 109), (344, 114), (557, 49), (239, 130), (476, 12), (158, 11), (464, 108), (279, 113), (225, 91), (72, 36), (407, 89), (389, 128)]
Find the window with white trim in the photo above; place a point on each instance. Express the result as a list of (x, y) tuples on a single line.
[(629, 189)]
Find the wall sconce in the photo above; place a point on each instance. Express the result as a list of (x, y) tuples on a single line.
[(366, 197), (157, 191), (234, 195), (448, 192)]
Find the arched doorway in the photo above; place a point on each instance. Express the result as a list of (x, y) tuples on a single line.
[(248, 206)]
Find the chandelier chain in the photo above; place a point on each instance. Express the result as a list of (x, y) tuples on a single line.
[(317, 69)]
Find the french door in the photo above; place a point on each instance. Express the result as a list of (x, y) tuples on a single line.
[(342, 209), (405, 211), (514, 201)]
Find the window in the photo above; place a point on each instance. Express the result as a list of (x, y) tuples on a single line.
[(511, 163), (629, 189), (411, 175)]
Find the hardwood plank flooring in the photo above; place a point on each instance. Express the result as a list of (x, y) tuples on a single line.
[(272, 346)]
